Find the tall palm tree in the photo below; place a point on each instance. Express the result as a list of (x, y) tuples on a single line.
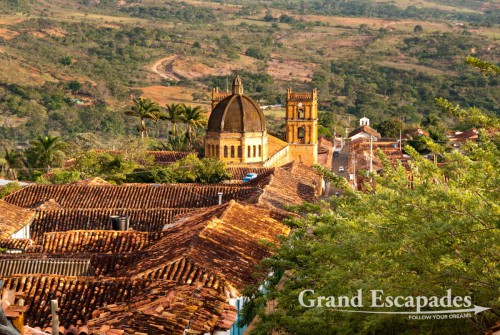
[(13, 160), (46, 150), (194, 117), (173, 115), (144, 109)]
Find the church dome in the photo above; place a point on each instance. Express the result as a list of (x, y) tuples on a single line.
[(237, 113)]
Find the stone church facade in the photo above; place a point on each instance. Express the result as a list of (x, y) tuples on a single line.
[(237, 132)]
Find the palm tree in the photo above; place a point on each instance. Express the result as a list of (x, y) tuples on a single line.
[(194, 117), (144, 109), (173, 115), (13, 160), (46, 150)]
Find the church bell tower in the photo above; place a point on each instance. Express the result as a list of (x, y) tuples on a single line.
[(302, 126)]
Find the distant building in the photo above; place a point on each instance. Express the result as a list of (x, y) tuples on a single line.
[(364, 121), (410, 134), (237, 132), (364, 131), (458, 138)]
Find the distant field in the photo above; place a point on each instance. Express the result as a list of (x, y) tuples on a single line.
[(428, 4), (175, 94)]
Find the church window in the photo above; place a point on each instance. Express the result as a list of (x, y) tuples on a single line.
[(249, 151), (217, 152), (225, 151), (301, 133), (260, 150), (232, 151), (240, 153), (254, 151)]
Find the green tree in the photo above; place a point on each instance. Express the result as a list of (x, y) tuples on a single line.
[(13, 162), (193, 117), (46, 152), (438, 234), (191, 169), (173, 115), (418, 236), (144, 109)]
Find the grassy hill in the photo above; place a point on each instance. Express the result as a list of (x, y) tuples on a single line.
[(383, 59)]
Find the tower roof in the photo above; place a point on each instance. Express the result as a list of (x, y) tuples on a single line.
[(237, 113)]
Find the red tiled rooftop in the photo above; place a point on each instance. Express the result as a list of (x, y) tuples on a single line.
[(216, 247), (149, 220), (98, 241), (141, 196), (13, 218), (166, 308)]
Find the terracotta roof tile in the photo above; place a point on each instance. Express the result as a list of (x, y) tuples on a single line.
[(16, 243), (216, 248), (367, 129), (151, 307), (136, 196), (238, 172), (149, 220), (99, 241), (290, 185), (77, 296), (167, 308), (468, 134), (13, 218), (274, 145)]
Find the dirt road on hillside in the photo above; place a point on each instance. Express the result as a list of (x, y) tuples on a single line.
[(163, 68)]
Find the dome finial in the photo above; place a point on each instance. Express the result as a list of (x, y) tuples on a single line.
[(237, 86)]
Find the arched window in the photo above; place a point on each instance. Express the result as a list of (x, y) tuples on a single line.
[(301, 133), (217, 151), (232, 151), (301, 112), (240, 153), (214, 151), (249, 151), (225, 151), (254, 151), (260, 150)]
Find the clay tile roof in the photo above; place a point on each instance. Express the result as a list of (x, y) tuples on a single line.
[(13, 218), (274, 145), (149, 220), (166, 308), (238, 172), (16, 243), (217, 247), (367, 129), (100, 241), (77, 296), (49, 266), (46, 205), (471, 133), (290, 185), (141, 196)]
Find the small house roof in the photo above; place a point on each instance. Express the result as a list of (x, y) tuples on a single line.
[(13, 218), (365, 129)]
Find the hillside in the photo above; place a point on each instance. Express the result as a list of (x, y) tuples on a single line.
[(71, 66)]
